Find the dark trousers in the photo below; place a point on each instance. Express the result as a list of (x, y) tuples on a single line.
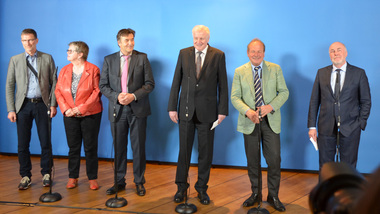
[(349, 146), (271, 151), (28, 112), (86, 129), (127, 121), (205, 150)]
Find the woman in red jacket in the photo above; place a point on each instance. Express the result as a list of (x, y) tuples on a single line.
[(78, 96)]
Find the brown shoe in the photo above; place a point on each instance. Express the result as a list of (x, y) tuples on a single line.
[(72, 183), (93, 184)]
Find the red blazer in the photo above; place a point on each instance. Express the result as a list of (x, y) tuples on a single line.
[(88, 94)]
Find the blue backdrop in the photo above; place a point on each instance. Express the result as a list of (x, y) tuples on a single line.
[(297, 35)]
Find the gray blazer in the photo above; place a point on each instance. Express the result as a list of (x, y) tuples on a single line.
[(18, 75)]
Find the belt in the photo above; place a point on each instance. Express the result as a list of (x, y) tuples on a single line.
[(34, 100)]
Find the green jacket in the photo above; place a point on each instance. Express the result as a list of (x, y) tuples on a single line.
[(275, 93)]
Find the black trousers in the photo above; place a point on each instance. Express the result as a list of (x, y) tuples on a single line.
[(205, 150), (270, 142), (29, 112), (86, 129), (128, 122), (348, 149)]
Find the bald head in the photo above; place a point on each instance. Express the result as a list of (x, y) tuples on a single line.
[(338, 54)]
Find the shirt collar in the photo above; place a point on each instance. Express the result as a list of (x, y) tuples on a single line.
[(34, 55), (204, 50), (343, 68), (253, 67), (121, 54)]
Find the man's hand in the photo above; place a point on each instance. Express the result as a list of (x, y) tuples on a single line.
[(265, 110), (12, 116), (313, 134), (53, 111), (125, 98), (253, 116), (173, 116), (221, 117)]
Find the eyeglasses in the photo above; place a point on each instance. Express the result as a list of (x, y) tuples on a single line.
[(69, 51), (27, 41)]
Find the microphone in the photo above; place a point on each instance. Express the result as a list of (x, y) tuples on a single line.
[(260, 118), (187, 97)]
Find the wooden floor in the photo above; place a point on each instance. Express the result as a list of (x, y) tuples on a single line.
[(228, 188)]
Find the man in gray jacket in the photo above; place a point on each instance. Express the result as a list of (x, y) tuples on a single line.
[(34, 75)]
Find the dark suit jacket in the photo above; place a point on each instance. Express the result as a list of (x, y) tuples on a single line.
[(17, 77), (207, 96), (355, 101), (140, 83)]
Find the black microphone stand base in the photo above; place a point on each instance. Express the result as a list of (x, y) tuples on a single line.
[(116, 202), (186, 208), (258, 211), (50, 197)]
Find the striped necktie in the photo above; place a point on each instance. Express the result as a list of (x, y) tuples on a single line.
[(258, 90)]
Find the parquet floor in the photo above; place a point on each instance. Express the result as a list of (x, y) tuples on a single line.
[(228, 188)]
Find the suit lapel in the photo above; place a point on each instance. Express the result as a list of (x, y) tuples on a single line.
[(192, 70), (39, 66), (85, 74), (248, 78), (328, 79), (265, 77), (132, 64), (209, 56), (116, 61), (347, 79)]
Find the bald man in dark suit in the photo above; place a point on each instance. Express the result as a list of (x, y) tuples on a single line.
[(344, 102)]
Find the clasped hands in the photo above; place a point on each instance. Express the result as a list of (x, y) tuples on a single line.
[(254, 115), (125, 98), (72, 112)]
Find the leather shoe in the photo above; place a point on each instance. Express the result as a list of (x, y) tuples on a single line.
[(179, 196), (140, 189), (112, 190), (254, 198), (72, 183), (93, 184), (276, 203), (203, 198)]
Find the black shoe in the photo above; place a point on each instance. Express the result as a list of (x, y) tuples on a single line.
[(253, 199), (140, 189), (112, 190), (203, 198), (179, 196), (276, 203), (25, 183)]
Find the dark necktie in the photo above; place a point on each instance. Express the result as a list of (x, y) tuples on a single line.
[(198, 64), (337, 84), (258, 91)]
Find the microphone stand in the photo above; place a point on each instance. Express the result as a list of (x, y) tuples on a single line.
[(337, 82), (186, 207), (115, 202), (50, 196), (258, 209)]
